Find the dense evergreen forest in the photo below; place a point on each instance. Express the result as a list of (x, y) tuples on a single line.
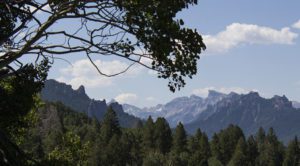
[(64, 137)]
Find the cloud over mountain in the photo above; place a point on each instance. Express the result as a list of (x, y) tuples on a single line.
[(129, 98), (82, 72), (237, 33)]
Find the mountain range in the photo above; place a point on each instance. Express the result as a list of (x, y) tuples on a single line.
[(211, 114), (182, 109), (250, 112), (214, 113)]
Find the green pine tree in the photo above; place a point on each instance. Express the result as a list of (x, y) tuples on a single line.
[(110, 125), (200, 153), (271, 153), (215, 147), (178, 155), (292, 157), (179, 139), (204, 149), (132, 146), (240, 155), (228, 140), (163, 136), (260, 138), (252, 150), (148, 135), (113, 154), (193, 141)]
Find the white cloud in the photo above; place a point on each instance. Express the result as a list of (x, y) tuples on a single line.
[(86, 81), (203, 92), (236, 34), (82, 72), (296, 24), (128, 98), (148, 63), (45, 8), (150, 99)]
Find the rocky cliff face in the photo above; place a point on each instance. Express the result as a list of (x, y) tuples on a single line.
[(79, 101), (182, 109), (59, 92), (250, 112)]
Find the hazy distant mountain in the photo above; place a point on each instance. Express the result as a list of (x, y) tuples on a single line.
[(139, 112), (250, 112), (296, 104), (217, 111), (182, 109), (78, 101)]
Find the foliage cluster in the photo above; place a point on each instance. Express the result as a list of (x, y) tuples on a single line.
[(136, 31)]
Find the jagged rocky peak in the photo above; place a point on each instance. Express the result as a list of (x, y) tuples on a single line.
[(195, 97), (93, 101), (78, 100), (179, 99), (214, 94), (116, 106), (280, 98), (252, 95), (81, 89), (281, 101), (231, 94), (54, 85)]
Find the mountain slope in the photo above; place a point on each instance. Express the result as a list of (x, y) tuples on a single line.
[(182, 109), (296, 104), (78, 101), (250, 112)]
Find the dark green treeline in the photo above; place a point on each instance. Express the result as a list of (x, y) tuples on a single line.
[(63, 137)]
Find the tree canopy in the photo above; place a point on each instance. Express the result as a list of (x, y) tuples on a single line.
[(67, 137), (143, 32)]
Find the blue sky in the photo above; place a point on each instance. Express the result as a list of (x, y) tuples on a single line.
[(251, 45)]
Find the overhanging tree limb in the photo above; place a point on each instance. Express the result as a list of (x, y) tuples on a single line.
[(105, 28)]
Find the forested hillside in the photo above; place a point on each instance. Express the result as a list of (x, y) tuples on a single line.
[(64, 137)]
